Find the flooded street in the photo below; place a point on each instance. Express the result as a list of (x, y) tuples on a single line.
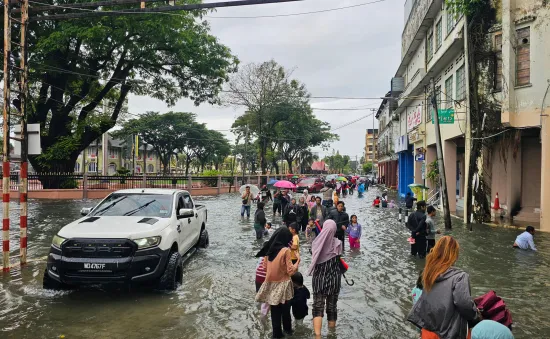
[(216, 299)]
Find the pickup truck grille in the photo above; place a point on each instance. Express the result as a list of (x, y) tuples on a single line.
[(98, 248)]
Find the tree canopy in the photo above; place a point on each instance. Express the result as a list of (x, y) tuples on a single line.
[(278, 113), (176, 133), (82, 71)]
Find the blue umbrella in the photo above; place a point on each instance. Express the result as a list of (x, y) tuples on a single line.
[(272, 181)]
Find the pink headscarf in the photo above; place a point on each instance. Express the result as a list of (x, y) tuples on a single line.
[(325, 246)]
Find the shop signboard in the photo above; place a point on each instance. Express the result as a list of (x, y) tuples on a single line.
[(446, 116), (414, 117), (401, 144)]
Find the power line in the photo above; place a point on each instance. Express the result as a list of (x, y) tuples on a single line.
[(153, 10)]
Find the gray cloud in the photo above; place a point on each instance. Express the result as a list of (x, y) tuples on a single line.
[(348, 53)]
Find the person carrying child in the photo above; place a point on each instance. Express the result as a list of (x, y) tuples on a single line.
[(311, 231), (295, 247), (301, 295), (354, 232)]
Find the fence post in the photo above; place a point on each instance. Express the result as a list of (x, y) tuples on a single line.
[(85, 186), (189, 184), (144, 183), (219, 184), (235, 183), (248, 180)]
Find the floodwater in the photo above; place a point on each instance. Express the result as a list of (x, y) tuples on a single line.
[(216, 299)]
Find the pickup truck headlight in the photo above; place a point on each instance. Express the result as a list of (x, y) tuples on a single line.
[(147, 242), (57, 241)]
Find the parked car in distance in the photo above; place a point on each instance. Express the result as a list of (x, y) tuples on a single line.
[(132, 236), (313, 185)]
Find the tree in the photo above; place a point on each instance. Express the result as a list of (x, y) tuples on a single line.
[(270, 97), (161, 131), (83, 70), (338, 163), (367, 168), (306, 159)]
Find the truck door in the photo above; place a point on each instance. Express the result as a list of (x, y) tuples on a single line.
[(192, 225), (181, 223)]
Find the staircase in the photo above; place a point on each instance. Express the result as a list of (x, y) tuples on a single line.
[(434, 198)]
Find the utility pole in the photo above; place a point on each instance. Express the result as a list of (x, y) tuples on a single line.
[(6, 141), (134, 154), (23, 172), (245, 153), (440, 163), (144, 158)]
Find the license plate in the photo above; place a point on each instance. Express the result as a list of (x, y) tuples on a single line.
[(90, 266)]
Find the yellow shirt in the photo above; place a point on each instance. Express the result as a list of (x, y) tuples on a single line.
[(295, 243)]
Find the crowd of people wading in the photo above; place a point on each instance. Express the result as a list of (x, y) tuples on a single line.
[(443, 307)]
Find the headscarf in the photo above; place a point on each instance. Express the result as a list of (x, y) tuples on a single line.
[(325, 246), (306, 195), (279, 240)]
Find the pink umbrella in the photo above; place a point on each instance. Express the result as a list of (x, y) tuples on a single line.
[(284, 184)]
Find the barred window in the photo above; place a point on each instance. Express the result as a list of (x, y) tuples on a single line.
[(438, 33), (430, 47), (460, 84), (450, 21), (449, 92)]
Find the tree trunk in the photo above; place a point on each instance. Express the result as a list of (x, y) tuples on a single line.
[(187, 163)]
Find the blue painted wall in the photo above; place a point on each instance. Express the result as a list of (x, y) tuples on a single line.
[(406, 172)]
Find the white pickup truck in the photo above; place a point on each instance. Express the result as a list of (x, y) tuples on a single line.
[(132, 236)]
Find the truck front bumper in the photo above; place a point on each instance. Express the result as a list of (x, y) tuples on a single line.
[(142, 266)]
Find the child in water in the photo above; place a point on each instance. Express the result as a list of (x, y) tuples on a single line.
[(376, 202), (354, 232), (311, 231), (295, 245), (299, 301), (417, 290)]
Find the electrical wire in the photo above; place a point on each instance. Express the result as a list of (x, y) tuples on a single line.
[(219, 17)]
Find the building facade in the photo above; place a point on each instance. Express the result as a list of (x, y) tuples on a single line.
[(370, 153), (96, 159), (515, 162), (388, 129)]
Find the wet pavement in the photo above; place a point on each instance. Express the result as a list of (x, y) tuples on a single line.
[(216, 299)]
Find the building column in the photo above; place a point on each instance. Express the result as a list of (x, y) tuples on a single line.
[(513, 179), (545, 176), (508, 61), (449, 157)]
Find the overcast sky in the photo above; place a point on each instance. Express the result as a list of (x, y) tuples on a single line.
[(345, 53)]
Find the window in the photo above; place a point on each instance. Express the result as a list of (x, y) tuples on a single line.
[(92, 167), (187, 201), (523, 57), (150, 168), (430, 47), (113, 153), (460, 84), (370, 148), (498, 63), (450, 21), (438, 38), (92, 151), (77, 167), (112, 169), (449, 92)]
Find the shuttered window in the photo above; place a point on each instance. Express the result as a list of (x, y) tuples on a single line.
[(498, 62), (460, 84), (438, 32), (449, 92), (430, 47), (450, 21), (523, 57)]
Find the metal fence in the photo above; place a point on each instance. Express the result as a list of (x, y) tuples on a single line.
[(90, 181)]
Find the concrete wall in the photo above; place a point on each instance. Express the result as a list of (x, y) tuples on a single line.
[(531, 172)]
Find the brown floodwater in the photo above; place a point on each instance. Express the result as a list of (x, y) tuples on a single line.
[(216, 299)]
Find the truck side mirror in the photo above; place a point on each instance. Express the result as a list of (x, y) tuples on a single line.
[(186, 213), (85, 211)]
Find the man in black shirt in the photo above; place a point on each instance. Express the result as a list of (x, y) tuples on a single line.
[(409, 201), (341, 218), (417, 225)]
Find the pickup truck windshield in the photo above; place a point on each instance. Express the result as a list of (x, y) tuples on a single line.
[(137, 205)]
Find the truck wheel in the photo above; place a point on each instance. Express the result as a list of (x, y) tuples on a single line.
[(204, 240), (51, 284), (173, 273)]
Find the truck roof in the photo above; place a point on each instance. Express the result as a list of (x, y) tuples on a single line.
[(168, 191)]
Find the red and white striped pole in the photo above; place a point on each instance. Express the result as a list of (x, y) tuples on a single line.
[(6, 142), (23, 213), (6, 215)]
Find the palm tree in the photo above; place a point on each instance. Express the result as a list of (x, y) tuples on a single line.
[(306, 159)]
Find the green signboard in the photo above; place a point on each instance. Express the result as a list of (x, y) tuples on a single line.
[(446, 116)]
